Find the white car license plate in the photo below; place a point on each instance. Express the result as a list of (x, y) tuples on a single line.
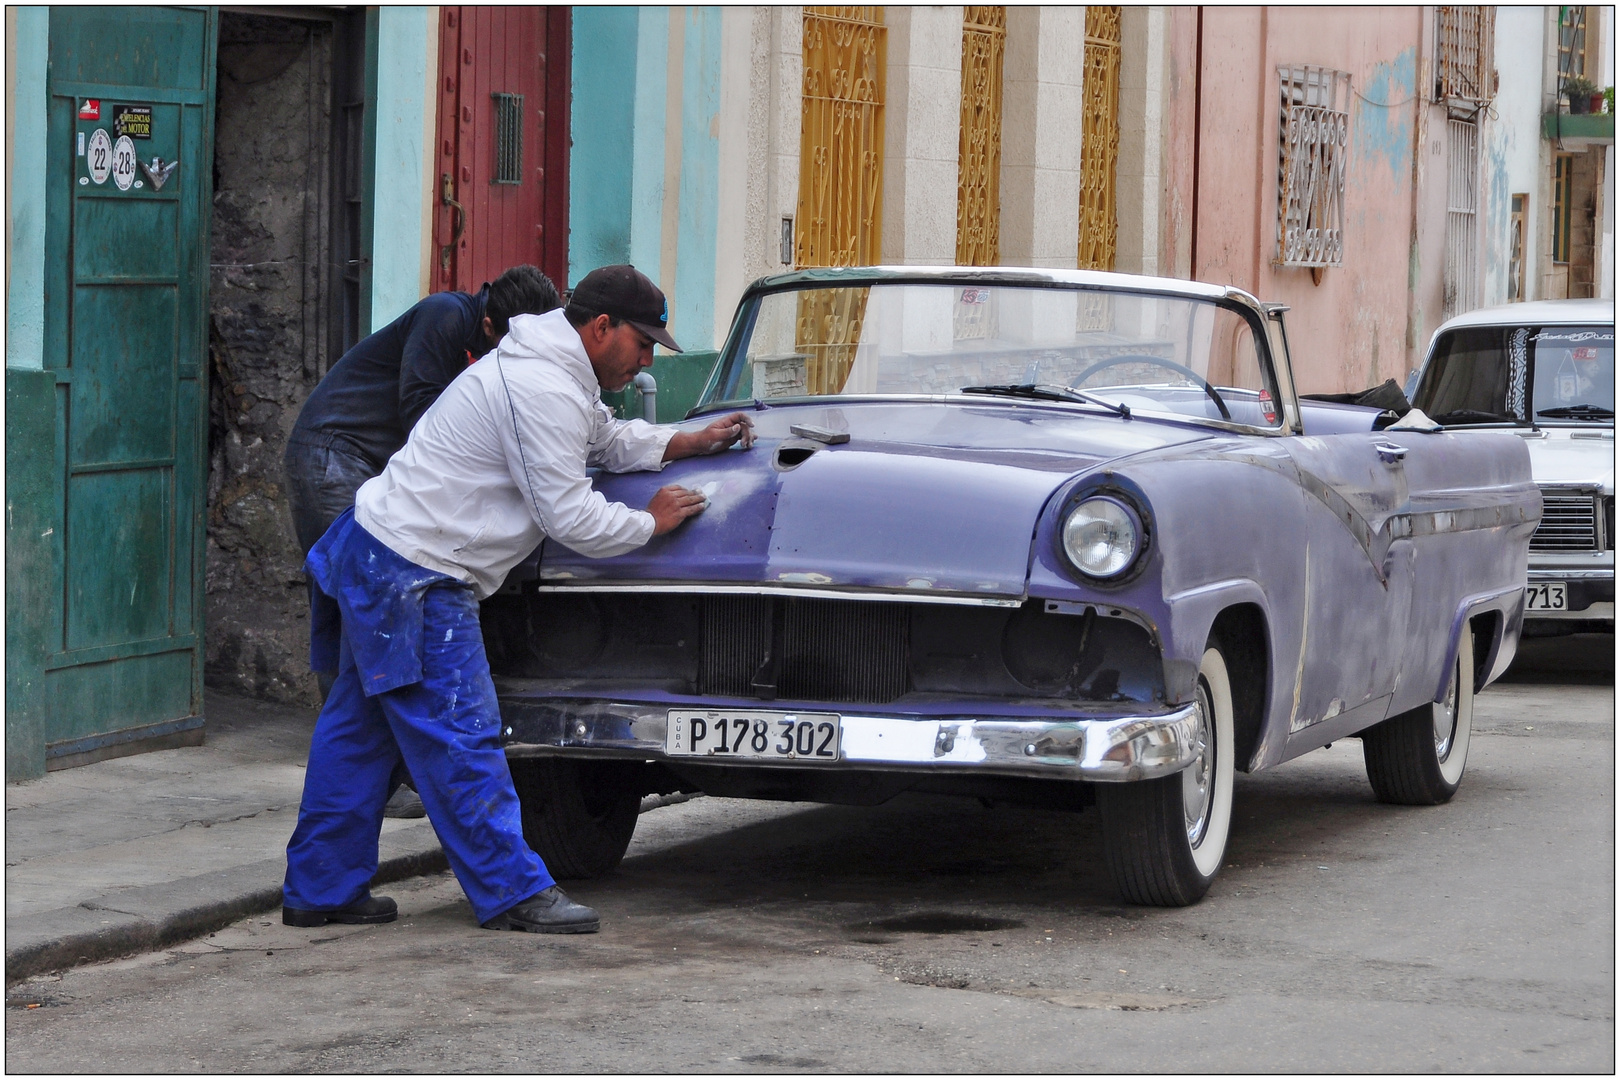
[(806, 738), (1546, 596)]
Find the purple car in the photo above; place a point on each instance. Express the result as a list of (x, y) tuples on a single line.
[(1055, 538)]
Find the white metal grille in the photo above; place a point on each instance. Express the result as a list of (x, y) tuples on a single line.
[(1462, 205), (1465, 50), (1313, 139), (1568, 523)]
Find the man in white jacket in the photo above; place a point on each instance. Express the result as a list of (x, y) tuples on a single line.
[(495, 466)]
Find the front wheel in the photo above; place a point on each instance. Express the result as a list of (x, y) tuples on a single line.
[(1417, 757), (1164, 839), (578, 816)]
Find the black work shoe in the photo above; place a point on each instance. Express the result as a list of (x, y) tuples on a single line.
[(404, 803), (547, 912), (367, 909)]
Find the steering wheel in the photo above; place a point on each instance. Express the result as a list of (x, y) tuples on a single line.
[(1157, 361)]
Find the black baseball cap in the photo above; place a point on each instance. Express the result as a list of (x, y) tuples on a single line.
[(626, 293)]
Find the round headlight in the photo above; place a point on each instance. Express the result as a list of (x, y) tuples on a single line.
[(1101, 537)]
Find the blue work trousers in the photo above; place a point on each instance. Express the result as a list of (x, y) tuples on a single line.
[(444, 724)]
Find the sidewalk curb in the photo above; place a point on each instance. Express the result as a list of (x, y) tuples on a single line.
[(158, 916)]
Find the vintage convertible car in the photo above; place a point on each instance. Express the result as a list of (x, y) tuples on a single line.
[(1545, 371), (1053, 538)]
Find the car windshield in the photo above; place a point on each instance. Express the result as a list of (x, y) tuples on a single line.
[(1520, 375), (1116, 351)]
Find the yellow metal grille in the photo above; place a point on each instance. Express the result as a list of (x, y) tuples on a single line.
[(1099, 139), (1465, 46), (978, 190), (840, 180)]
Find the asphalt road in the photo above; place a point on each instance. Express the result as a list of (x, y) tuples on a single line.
[(935, 935)]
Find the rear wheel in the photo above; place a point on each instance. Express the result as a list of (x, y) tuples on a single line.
[(578, 816), (1417, 758), (1164, 839)]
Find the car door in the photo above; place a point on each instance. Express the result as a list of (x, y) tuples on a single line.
[(1359, 571)]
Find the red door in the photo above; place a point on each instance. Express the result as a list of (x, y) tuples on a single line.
[(502, 143)]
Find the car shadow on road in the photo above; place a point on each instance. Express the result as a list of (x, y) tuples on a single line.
[(1579, 659)]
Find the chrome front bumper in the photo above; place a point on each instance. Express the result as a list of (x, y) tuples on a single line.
[(1109, 746), (1587, 585)]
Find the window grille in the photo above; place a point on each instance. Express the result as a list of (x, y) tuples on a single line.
[(1571, 42), (1099, 139), (1312, 144), (978, 173), (1465, 51), (508, 138), (1462, 206), (840, 180)]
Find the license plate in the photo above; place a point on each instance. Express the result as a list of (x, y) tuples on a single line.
[(1546, 596), (742, 734)]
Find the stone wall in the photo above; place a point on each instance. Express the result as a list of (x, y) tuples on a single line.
[(268, 341)]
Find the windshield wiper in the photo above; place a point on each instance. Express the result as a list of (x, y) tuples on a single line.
[(1474, 416), (1044, 392), (1578, 412)]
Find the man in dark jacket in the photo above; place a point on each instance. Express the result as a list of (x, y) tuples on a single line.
[(361, 413)]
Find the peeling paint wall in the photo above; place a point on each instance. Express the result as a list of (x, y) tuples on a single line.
[(1352, 329), (1510, 157)]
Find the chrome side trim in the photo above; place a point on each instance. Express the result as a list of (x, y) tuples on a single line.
[(1106, 748), (1606, 574), (918, 596)]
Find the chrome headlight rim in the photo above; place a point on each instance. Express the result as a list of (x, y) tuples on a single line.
[(1135, 508)]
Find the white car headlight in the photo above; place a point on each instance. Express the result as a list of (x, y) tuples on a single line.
[(1101, 537)]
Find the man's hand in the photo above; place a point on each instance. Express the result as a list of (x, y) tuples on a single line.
[(720, 435), (672, 505)]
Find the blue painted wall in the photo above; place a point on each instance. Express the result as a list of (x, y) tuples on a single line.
[(1381, 126), (618, 194), (396, 237), (601, 170), (25, 299)]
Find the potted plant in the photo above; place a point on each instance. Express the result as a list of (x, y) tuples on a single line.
[(1579, 90)]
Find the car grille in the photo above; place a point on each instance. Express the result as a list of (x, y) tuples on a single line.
[(1569, 522), (831, 651)]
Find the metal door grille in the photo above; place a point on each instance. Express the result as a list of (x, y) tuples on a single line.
[(1312, 144), (841, 140), (1099, 139), (1465, 50), (1569, 522), (1462, 204), (508, 139), (978, 174)]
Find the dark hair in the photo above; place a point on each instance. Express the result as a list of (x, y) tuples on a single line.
[(578, 316), (522, 290)]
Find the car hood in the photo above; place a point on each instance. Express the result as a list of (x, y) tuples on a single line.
[(1561, 459), (925, 496)]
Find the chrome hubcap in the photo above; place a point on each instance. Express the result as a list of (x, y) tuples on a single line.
[(1196, 778)]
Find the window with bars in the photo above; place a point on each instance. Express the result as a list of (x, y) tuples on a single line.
[(508, 139), (1462, 210), (1099, 139), (1521, 204), (1465, 51), (978, 174), (1313, 141), (1571, 42)]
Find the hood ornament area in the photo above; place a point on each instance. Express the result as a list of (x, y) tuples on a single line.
[(157, 172)]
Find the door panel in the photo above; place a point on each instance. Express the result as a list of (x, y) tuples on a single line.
[(126, 294), (1359, 575), (510, 194)]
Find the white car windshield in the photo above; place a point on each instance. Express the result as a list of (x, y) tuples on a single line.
[(1520, 375), (1123, 351)]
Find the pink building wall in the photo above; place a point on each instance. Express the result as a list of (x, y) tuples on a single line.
[(1366, 320)]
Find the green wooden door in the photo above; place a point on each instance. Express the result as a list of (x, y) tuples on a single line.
[(126, 315)]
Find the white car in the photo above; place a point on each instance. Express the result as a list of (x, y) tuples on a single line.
[(1546, 370)]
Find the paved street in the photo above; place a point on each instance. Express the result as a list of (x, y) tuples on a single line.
[(935, 935)]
